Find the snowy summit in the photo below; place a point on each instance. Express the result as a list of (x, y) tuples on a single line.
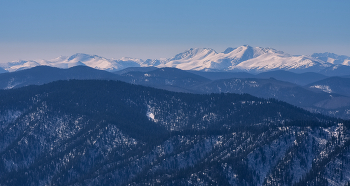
[(243, 58)]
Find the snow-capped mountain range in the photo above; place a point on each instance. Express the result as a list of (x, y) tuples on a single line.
[(243, 58)]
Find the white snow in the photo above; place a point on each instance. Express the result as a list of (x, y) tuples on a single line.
[(150, 115), (324, 88), (346, 62), (93, 61), (243, 58), (12, 83)]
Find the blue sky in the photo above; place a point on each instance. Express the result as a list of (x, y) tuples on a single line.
[(41, 29)]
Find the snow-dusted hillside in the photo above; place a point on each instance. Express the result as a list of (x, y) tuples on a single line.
[(243, 58), (94, 132)]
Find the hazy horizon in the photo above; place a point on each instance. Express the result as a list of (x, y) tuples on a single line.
[(161, 29), (116, 52)]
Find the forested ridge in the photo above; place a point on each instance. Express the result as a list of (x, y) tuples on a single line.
[(97, 132)]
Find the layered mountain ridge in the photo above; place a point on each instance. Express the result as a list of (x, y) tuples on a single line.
[(244, 58), (72, 121), (311, 91)]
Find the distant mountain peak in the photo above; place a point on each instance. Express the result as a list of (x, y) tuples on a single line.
[(228, 50), (242, 58), (82, 57), (329, 54), (332, 58), (248, 52), (245, 46), (192, 52)]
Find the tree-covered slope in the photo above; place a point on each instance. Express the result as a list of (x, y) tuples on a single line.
[(96, 132)]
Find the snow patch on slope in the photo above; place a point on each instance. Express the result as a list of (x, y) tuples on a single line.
[(150, 113), (324, 88)]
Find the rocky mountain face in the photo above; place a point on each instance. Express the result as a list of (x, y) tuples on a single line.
[(95, 132), (244, 58)]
